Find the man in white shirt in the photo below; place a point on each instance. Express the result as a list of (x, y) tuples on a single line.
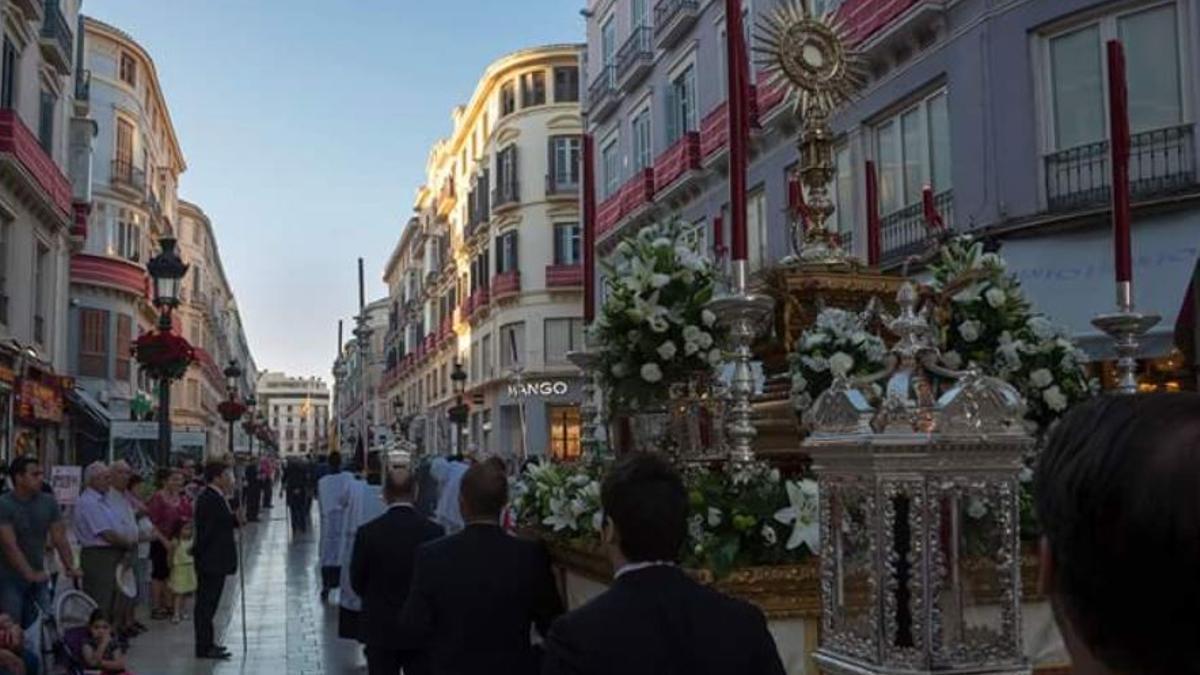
[(332, 491), (126, 526)]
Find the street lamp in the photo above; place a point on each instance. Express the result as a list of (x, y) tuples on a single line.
[(232, 409), (248, 425), (458, 414), (167, 270)]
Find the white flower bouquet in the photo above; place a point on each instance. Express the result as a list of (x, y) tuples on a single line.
[(653, 329), (562, 500), (838, 343)]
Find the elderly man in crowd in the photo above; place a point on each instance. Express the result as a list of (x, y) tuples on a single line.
[(102, 544), (123, 506)]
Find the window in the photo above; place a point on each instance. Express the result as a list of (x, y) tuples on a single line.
[(564, 161), (637, 14), (565, 426), (756, 226), (508, 99), (567, 244), (5, 231), (843, 191), (41, 291), (193, 393), (608, 41), (474, 361), (506, 175), (506, 253), (562, 337), (485, 353), (93, 343), (533, 89), (128, 242), (610, 160), (128, 69), (46, 113), (912, 149), (124, 346), (1078, 75), (8, 86), (124, 149), (641, 140), (681, 104), (566, 84), (512, 344)]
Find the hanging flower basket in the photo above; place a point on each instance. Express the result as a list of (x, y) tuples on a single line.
[(163, 355), (231, 411)]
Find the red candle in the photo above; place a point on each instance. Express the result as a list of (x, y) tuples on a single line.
[(589, 230), (874, 236), (738, 126), (1118, 113), (933, 219), (795, 195), (719, 236)]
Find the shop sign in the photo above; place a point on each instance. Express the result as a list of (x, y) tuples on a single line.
[(66, 482), (37, 402), (535, 389)]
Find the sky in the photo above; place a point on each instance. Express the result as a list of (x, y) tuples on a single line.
[(305, 125)]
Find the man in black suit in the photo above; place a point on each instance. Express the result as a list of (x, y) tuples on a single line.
[(476, 593), (215, 554), (654, 619), (380, 570)]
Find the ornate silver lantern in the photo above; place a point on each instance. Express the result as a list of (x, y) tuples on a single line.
[(920, 554)]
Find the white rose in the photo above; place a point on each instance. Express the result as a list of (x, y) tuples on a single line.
[(840, 364), (969, 330), (619, 370), (768, 535), (624, 249), (667, 350), (652, 373), (714, 516), (1041, 378), (659, 325), (1026, 475), (708, 317), (774, 476), (976, 508), (1041, 327), (690, 348), (659, 280), (715, 357), (691, 333), (799, 384), (991, 260), (995, 297), (1055, 399), (952, 360), (818, 364), (704, 340), (813, 339)]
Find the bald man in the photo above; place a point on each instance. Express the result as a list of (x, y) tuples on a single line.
[(380, 571)]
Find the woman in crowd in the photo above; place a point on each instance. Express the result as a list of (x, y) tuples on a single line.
[(167, 508)]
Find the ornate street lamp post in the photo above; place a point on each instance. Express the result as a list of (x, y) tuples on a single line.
[(232, 409), (248, 425), (458, 414), (167, 270)]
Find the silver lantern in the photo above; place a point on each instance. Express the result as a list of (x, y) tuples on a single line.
[(919, 470)]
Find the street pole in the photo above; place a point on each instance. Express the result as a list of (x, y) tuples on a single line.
[(164, 401)]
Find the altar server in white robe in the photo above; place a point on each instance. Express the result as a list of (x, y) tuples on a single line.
[(363, 502), (448, 474), (331, 497)]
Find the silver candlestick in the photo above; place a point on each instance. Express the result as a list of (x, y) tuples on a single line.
[(588, 361), (1126, 327), (743, 314)]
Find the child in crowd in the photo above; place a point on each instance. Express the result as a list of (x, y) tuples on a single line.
[(101, 652), (183, 570)]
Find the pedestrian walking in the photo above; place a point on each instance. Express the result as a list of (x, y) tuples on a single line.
[(332, 499), (102, 546), (215, 554), (266, 473), (27, 517), (295, 489), (363, 504), (253, 497), (380, 571)]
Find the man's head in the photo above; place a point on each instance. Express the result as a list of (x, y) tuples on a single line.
[(1117, 497), (335, 461), (399, 486), (217, 474), (189, 469), (95, 476), (26, 473), (645, 508), (120, 473), (483, 493)]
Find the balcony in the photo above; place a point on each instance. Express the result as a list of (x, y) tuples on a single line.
[(673, 19), (635, 58), (564, 276), (558, 188), (479, 302), (506, 195), (765, 99), (447, 197), (56, 39), (23, 158), (906, 233), (714, 131), (1161, 163), (506, 285), (673, 167), (31, 8), (128, 177), (877, 21), (630, 200), (603, 96)]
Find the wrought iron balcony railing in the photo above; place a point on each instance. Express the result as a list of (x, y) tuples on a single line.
[(57, 40), (905, 232), (125, 174)]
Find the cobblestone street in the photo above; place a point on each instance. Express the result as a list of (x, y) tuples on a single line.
[(285, 620)]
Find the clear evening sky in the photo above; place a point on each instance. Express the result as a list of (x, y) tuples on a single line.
[(306, 124)]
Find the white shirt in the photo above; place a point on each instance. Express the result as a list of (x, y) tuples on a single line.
[(637, 566)]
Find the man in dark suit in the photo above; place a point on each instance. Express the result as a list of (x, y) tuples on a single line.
[(654, 619), (380, 570), (215, 554), (475, 594)]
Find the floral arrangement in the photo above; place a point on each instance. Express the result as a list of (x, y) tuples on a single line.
[(987, 322), (838, 343), (163, 354), (653, 329), (231, 409), (748, 515)]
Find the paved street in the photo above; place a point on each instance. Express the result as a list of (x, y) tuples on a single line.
[(285, 621)]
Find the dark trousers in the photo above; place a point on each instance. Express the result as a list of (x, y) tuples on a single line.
[(253, 500), (268, 488), (331, 577), (383, 661), (208, 597), (299, 512)]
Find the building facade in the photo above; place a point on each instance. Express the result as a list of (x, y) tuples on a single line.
[(487, 274), (1001, 109), (298, 410), (43, 132), (363, 416)]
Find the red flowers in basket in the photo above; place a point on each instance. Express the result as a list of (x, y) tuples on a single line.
[(231, 410), (163, 354)]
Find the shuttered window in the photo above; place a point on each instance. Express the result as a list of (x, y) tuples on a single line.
[(93, 343), (124, 346)]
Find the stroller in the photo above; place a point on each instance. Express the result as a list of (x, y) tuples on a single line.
[(65, 630)]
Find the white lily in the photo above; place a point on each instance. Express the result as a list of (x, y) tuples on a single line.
[(803, 498)]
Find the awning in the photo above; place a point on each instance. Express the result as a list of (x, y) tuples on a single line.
[(1068, 276), (82, 403)]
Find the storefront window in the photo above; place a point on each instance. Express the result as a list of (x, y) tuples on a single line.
[(564, 432)]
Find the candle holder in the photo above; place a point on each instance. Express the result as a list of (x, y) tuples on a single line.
[(589, 412), (1126, 327), (743, 314)]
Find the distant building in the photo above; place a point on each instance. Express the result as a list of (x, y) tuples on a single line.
[(297, 410), (359, 403)]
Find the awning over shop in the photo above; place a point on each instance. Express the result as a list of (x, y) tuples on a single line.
[(1069, 277), (83, 403)]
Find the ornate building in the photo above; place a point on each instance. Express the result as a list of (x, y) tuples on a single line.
[(297, 409)]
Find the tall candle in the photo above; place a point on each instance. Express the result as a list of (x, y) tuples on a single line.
[(589, 229), (874, 234), (933, 219), (719, 236), (1118, 113), (738, 128)]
